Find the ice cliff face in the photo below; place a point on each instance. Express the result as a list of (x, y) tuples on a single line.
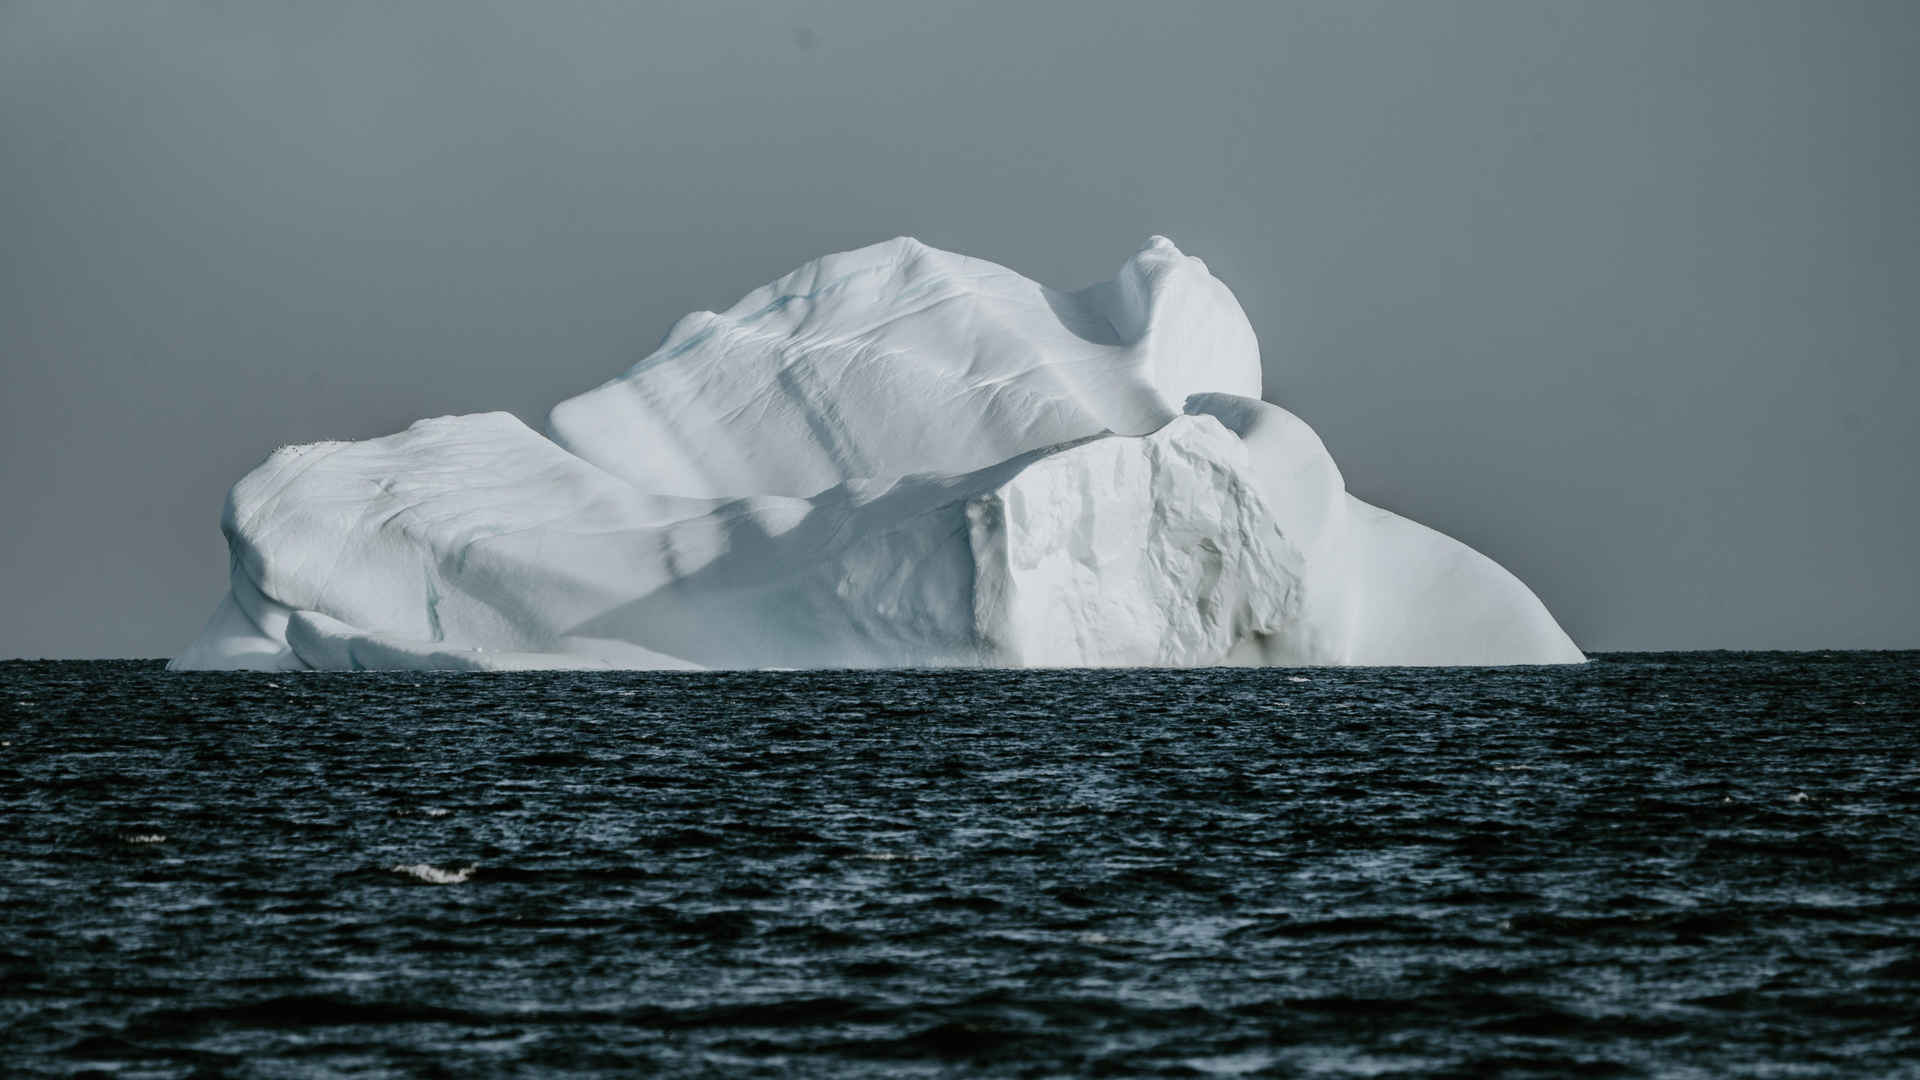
[(892, 456)]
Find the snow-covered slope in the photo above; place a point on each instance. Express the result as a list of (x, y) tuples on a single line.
[(899, 358), (891, 456)]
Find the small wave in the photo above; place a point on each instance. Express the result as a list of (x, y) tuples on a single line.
[(147, 838), (301, 1011), (550, 759), (435, 811), (434, 875)]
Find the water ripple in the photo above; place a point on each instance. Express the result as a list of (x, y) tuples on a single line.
[(1672, 864)]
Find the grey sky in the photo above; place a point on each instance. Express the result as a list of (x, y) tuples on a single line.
[(1622, 293)]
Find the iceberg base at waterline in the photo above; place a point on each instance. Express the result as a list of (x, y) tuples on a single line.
[(891, 457)]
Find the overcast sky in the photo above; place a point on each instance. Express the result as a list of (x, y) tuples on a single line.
[(1625, 294)]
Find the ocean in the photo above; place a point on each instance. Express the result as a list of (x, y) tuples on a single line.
[(1702, 864)]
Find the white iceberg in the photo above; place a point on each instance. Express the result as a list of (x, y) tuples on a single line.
[(895, 456)]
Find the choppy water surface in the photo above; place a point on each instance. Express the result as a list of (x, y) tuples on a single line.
[(1671, 864)]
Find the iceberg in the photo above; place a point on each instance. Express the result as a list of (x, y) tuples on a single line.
[(890, 457)]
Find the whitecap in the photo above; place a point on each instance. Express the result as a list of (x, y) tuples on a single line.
[(434, 875), (147, 838)]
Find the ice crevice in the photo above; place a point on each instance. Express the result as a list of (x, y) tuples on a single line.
[(893, 456)]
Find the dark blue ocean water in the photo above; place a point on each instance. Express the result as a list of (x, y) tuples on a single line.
[(1674, 865)]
